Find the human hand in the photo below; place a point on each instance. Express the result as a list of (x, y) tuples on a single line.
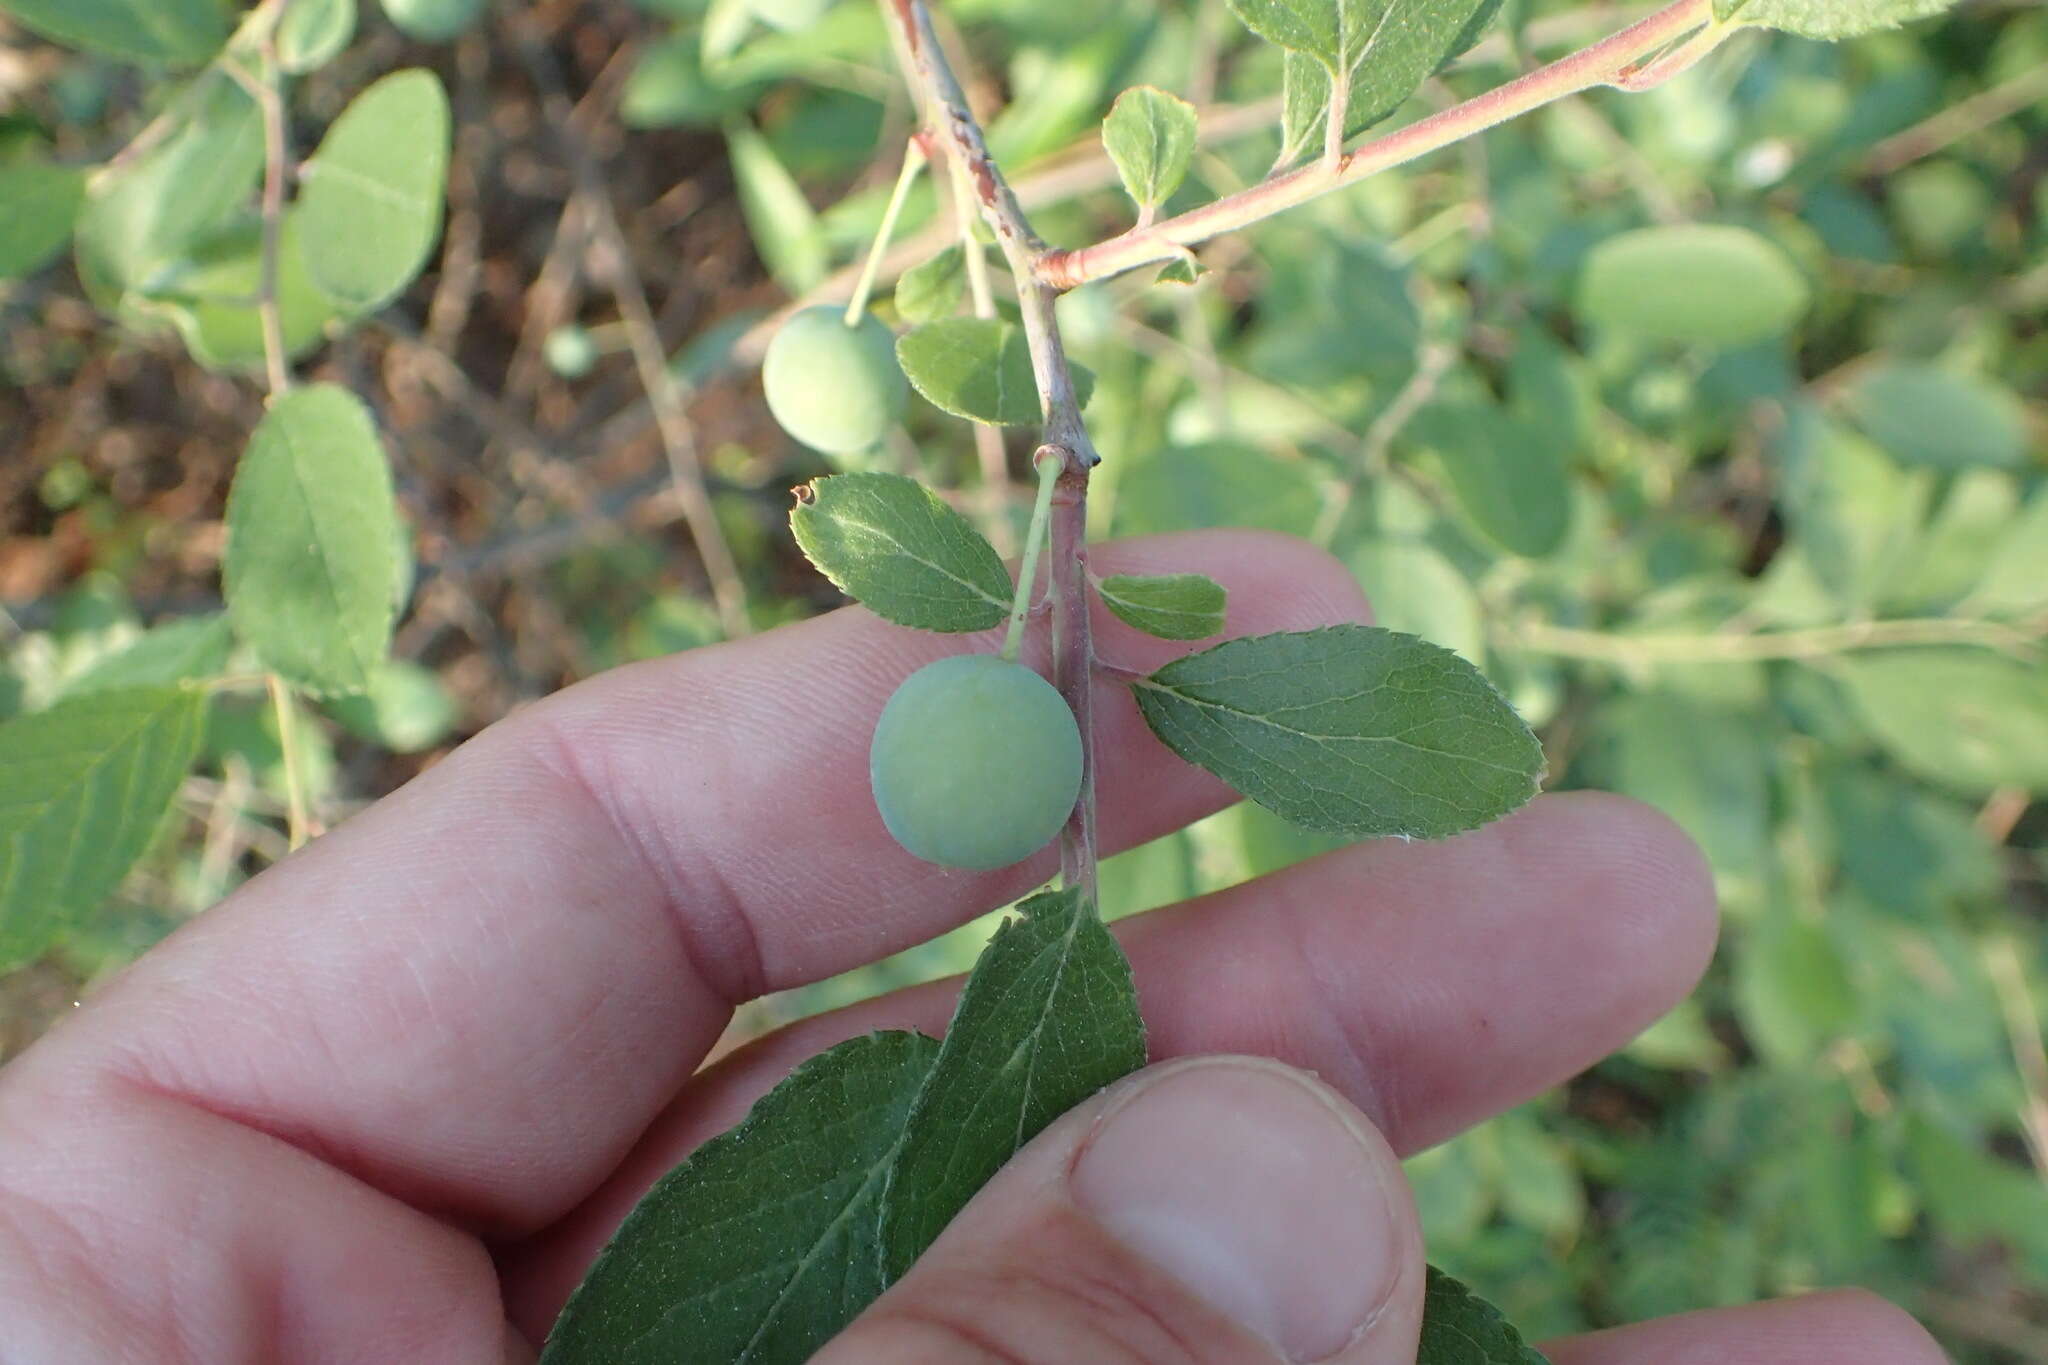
[(386, 1102)]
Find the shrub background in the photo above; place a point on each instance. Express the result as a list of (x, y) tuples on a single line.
[(1697, 569)]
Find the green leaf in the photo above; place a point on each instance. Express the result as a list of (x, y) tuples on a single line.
[(1706, 767), (670, 88), (1186, 270), (39, 203), (176, 32), (1693, 282), (1416, 590), (786, 229), (210, 297), (1460, 1328), (890, 544), (1965, 719), (88, 781), (370, 211), (1828, 18), (1215, 483), (311, 569), (1852, 510), (1929, 415), (933, 290), (405, 708), (140, 221), (1150, 136), (1350, 730), (762, 1245), (1174, 606), (2016, 577), (1399, 65), (1793, 992), (978, 368), (1510, 482), (178, 651), (433, 21), (1048, 1017), (313, 33)]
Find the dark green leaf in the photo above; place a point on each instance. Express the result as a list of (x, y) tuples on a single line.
[(1695, 282), (311, 571), (1150, 137), (88, 781), (179, 32), (1509, 480), (314, 32), (1828, 18), (1176, 606), (1348, 730), (178, 651), (978, 368), (371, 207), (934, 289), (1397, 65), (1048, 1017), (433, 21), (1186, 270), (1966, 719), (1460, 1328), (1706, 767), (1413, 588), (763, 1244), (1793, 993), (890, 544), (1853, 512), (39, 202)]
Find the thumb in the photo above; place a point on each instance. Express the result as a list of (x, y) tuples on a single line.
[(1213, 1209)]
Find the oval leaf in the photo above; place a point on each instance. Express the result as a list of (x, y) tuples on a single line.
[(1693, 282), (311, 569), (88, 781), (1150, 136), (1929, 415), (761, 1246), (314, 32), (177, 651), (1175, 606), (1509, 480), (1404, 53), (39, 203), (1348, 730), (371, 208), (978, 368), (1968, 720), (785, 227), (1048, 1017), (934, 289), (180, 32), (890, 544)]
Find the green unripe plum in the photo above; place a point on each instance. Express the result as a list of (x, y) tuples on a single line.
[(571, 351), (432, 21), (791, 16), (835, 388), (976, 762)]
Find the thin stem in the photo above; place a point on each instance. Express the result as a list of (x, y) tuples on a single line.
[(1333, 120), (276, 160), (1050, 463), (1820, 642), (297, 823), (950, 120), (1612, 61), (913, 162), (980, 293)]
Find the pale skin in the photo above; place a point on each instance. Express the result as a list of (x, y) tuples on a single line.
[(386, 1102)]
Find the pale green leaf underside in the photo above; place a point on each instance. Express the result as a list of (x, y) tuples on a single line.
[(978, 368), (314, 32), (1706, 283), (761, 1246), (87, 783), (1150, 137), (177, 651), (1828, 18), (181, 32), (786, 230), (1460, 1328), (1349, 730), (1179, 606), (1966, 719), (39, 202), (371, 207), (1048, 1017), (890, 544), (311, 570)]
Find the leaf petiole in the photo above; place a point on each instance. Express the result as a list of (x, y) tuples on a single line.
[(913, 162)]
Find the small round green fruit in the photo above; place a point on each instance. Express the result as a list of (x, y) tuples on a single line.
[(976, 762), (571, 351), (836, 388)]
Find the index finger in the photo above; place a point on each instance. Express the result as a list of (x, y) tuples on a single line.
[(476, 994)]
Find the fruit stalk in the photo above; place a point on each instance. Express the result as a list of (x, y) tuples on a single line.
[(1052, 462), (954, 127)]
